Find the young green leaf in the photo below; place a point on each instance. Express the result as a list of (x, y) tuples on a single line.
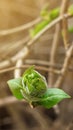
[(15, 86), (49, 16), (54, 13), (70, 10), (70, 29), (32, 87), (51, 97), (34, 83), (44, 11), (38, 28)]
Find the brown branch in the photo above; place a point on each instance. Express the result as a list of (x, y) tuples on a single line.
[(57, 20), (46, 63), (66, 43), (26, 66), (36, 62), (25, 51), (65, 25), (65, 67), (70, 126), (21, 54), (56, 42), (65, 33), (53, 54), (17, 72), (20, 28), (8, 100)]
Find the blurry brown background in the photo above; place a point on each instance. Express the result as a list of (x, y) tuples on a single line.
[(19, 115)]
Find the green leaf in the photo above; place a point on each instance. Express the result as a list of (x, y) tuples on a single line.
[(47, 18), (70, 29), (51, 97), (32, 87), (38, 28), (44, 11), (70, 10), (54, 13), (34, 83), (15, 86)]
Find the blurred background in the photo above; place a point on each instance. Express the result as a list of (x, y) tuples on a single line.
[(15, 15)]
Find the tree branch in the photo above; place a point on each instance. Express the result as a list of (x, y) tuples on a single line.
[(56, 42), (65, 67), (25, 51), (20, 28)]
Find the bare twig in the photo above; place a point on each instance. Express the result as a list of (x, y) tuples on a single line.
[(26, 66), (65, 67), (70, 126), (66, 41), (25, 51), (46, 63), (57, 20), (65, 25), (20, 28), (56, 41), (22, 54), (53, 54), (7, 100), (17, 72), (38, 63), (65, 33)]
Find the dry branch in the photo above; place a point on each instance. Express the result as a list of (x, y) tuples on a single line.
[(7, 100), (65, 24), (20, 28), (65, 67), (17, 72), (56, 40), (26, 66), (25, 51)]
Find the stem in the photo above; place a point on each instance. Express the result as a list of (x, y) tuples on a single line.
[(56, 42)]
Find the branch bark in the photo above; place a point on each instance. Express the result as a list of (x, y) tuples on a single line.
[(25, 51), (65, 67), (64, 8)]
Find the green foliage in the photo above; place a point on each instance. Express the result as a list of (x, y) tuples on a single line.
[(15, 86), (38, 27), (70, 29), (47, 17), (33, 82), (54, 13), (51, 97), (70, 10), (33, 88), (44, 11)]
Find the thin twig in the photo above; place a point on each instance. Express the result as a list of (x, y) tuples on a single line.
[(70, 126), (46, 63), (21, 54), (9, 100), (65, 67), (26, 66), (20, 28), (17, 72), (39, 63), (66, 43), (56, 42), (65, 33), (57, 20), (25, 51), (65, 25)]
